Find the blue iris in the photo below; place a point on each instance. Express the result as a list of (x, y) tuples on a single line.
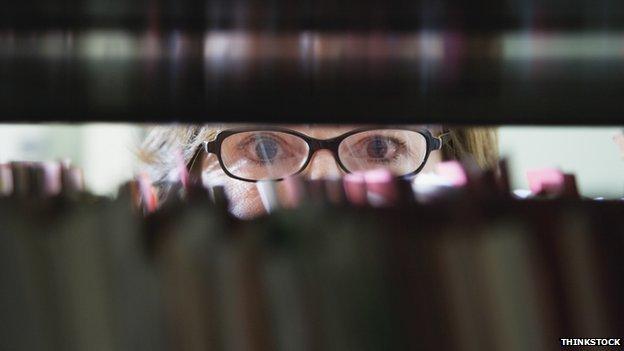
[(377, 148), (266, 149)]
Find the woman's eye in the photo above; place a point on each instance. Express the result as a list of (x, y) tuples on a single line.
[(377, 147), (266, 149)]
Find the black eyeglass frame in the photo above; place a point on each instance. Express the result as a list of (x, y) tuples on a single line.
[(314, 145)]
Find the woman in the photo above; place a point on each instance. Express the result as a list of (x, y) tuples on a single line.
[(237, 156)]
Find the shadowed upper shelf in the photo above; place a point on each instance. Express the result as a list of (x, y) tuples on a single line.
[(278, 61)]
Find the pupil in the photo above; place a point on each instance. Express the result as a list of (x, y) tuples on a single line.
[(266, 150), (377, 148)]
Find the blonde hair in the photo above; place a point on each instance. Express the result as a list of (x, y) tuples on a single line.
[(480, 143), (162, 145)]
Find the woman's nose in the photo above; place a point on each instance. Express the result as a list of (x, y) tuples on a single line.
[(322, 165)]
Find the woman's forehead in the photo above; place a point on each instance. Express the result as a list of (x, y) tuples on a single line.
[(330, 131), (321, 131), (324, 131)]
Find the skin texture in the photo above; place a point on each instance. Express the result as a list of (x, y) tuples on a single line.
[(245, 199)]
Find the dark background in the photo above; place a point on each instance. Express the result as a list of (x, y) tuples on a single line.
[(69, 61)]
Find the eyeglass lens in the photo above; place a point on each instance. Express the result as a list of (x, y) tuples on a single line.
[(399, 151), (262, 155)]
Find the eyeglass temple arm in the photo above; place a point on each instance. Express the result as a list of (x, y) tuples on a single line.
[(210, 147), (440, 140)]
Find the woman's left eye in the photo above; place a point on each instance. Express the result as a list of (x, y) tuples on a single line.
[(379, 148)]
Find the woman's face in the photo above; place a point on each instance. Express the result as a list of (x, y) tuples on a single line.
[(248, 154)]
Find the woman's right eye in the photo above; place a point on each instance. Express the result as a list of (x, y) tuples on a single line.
[(266, 149), (263, 149)]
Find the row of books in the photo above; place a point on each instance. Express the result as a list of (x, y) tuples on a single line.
[(365, 263)]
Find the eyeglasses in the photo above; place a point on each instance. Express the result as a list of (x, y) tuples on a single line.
[(270, 153)]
